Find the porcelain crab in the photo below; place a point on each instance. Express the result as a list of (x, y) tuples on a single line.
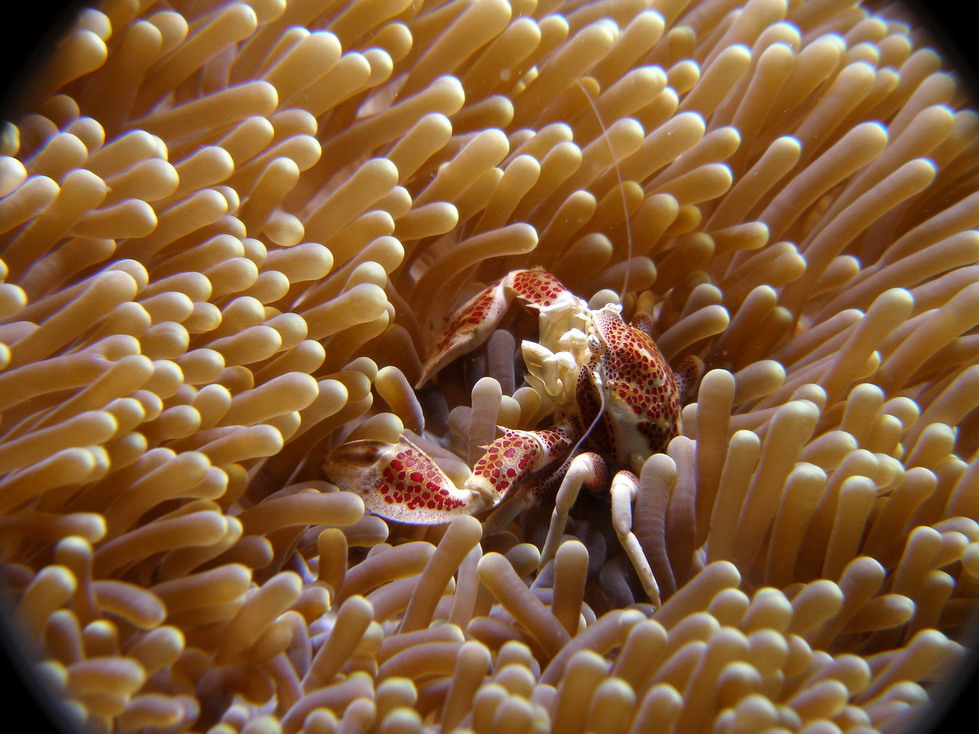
[(616, 399)]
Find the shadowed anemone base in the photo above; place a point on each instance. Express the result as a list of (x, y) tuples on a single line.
[(230, 232)]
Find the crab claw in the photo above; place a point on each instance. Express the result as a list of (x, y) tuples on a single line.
[(473, 323), (399, 482), (469, 328)]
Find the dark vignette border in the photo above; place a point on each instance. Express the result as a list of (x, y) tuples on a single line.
[(35, 26)]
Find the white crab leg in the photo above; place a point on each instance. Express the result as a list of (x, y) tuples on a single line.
[(586, 469), (624, 490)]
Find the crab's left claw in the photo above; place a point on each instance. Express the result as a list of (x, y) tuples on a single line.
[(399, 482)]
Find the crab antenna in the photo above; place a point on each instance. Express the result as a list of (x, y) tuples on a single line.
[(618, 178)]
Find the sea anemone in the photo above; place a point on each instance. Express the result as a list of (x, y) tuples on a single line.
[(230, 233)]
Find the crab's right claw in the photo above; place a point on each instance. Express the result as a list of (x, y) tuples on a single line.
[(470, 326), (399, 482), (475, 321)]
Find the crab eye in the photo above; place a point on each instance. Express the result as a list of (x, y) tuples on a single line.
[(595, 344)]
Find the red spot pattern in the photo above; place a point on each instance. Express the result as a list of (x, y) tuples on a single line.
[(509, 457), (638, 377), (474, 321), (518, 455), (536, 286), (469, 318), (412, 480)]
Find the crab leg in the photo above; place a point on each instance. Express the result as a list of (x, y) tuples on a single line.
[(476, 320), (587, 469), (625, 488)]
